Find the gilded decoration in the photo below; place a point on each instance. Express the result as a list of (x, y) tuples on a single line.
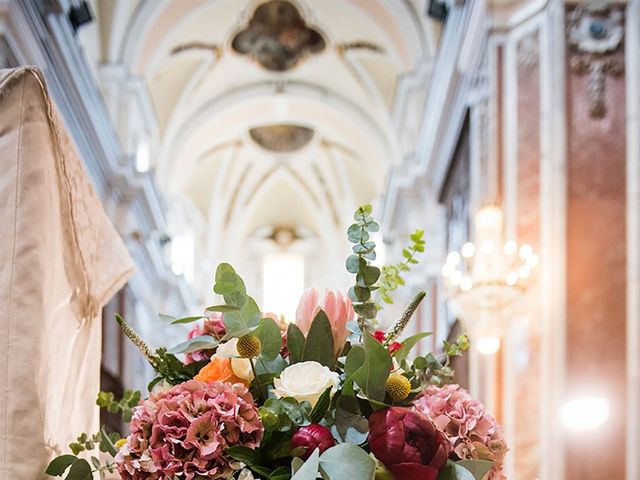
[(277, 37), (596, 38)]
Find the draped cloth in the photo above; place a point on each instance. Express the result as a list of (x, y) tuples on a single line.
[(61, 260)]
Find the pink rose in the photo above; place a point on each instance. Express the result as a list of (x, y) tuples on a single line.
[(336, 305)]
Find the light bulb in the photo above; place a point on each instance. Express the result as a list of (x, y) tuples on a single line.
[(453, 258), (466, 283), (488, 344), (524, 271), (512, 279), (510, 248), (525, 251), (585, 414), (468, 250)]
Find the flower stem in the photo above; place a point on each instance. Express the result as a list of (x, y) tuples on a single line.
[(396, 329), (255, 375)]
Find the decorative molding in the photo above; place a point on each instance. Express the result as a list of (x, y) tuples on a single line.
[(596, 36), (528, 52)]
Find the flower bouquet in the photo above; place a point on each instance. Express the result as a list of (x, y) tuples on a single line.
[(329, 396)]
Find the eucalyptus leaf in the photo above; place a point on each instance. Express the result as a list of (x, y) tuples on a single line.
[(106, 444), (270, 337), (187, 319), (478, 468), (222, 308), (243, 321), (202, 342), (80, 470), (58, 465), (454, 471), (347, 461), (309, 469)]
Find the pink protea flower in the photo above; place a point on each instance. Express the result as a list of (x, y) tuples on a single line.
[(214, 326), (472, 432), (336, 305), (185, 430)]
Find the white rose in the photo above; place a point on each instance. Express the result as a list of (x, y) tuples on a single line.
[(240, 366), (305, 381)]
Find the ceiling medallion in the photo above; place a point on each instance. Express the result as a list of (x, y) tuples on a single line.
[(596, 35), (277, 37), (281, 138)]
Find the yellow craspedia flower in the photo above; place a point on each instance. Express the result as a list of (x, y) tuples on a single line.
[(398, 387), (249, 346), (120, 443)]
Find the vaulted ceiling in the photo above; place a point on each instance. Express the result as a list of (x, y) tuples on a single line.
[(270, 113)]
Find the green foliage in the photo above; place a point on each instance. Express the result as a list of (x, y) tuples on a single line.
[(437, 371), (270, 339), (321, 407), (317, 346), (78, 468), (359, 263), (201, 342), (408, 344), (284, 414), (465, 470), (347, 460), (391, 277), (375, 364), (242, 314), (295, 343)]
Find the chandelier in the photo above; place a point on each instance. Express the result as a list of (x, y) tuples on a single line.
[(485, 279)]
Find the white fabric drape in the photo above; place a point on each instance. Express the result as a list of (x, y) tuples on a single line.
[(60, 262)]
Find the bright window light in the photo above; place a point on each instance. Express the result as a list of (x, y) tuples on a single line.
[(143, 156), (182, 255), (488, 344), (585, 414), (282, 283)]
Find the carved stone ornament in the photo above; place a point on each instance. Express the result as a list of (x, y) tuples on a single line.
[(528, 51), (596, 36), (281, 138), (277, 37)]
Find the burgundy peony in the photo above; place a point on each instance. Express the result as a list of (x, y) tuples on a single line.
[(407, 443), (311, 437)]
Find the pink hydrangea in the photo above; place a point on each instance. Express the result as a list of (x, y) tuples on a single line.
[(214, 326), (185, 430), (472, 432)]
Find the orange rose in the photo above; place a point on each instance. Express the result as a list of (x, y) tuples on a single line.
[(219, 369)]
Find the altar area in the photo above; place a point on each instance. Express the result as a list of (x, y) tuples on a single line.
[(163, 157)]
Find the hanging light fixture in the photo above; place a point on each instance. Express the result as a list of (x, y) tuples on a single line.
[(484, 280)]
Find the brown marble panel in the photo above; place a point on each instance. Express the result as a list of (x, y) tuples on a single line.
[(596, 261)]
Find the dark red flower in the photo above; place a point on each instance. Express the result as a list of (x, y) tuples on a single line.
[(407, 443), (311, 437), (379, 335), (394, 347)]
